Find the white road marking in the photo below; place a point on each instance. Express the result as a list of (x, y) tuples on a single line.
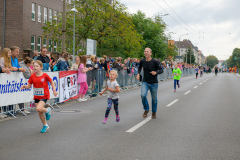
[(204, 81), (170, 104), (200, 83), (139, 125), (187, 92), (207, 79), (195, 87)]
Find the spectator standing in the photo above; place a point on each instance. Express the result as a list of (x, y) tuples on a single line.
[(45, 59), (14, 62), (35, 56), (51, 57), (5, 60), (70, 61), (26, 65), (82, 78), (76, 64), (110, 59), (62, 65)]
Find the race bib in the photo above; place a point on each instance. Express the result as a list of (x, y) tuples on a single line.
[(38, 91)]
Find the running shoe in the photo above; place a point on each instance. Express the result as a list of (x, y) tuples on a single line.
[(145, 114), (84, 99), (44, 129), (117, 118), (104, 121), (178, 85), (48, 114), (154, 115), (174, 90), (79, 100)]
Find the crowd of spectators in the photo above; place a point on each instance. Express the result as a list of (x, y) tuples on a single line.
[(127, 68)]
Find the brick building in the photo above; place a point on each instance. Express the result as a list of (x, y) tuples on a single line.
[(24, 20)]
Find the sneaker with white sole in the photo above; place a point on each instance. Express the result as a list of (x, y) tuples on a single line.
[(44, 129), (84, 99), (26, 112), (104, 121), (79, 99)]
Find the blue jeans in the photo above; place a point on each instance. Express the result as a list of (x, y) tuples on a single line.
[(176, 82), (153, 87)]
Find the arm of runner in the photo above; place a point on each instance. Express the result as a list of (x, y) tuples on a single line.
[(26, 86), (54, 88), (104, 90)]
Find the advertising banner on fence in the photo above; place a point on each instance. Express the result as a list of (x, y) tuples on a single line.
[(55, 77), (68, 85), (10, 89)]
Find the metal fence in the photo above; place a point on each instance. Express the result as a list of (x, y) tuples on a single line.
[(96, 80)]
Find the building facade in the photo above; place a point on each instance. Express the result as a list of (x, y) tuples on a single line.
[(23, 21)]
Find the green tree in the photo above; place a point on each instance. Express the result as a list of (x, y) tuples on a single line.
[(189, 52), (153, 34), (172, 50), (212, 61), (109, 25), (231, 61)]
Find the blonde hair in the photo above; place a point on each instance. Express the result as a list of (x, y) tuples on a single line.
[(39, 62), (101, 60), (115, 72), (92, 58), (7, 60)]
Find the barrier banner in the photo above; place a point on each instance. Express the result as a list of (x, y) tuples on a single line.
[(55, 77), (68, 85), (10, 89)]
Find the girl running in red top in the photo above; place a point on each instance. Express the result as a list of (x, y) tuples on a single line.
[(41, 92)]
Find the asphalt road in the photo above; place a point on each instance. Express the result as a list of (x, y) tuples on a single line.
[(202, 124)]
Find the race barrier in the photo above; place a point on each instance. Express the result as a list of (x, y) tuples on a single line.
[(66, 85)]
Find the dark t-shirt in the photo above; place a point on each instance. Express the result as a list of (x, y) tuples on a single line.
[(45, 59), (149, 66)]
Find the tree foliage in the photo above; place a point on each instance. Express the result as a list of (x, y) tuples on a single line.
[(212, 61), (234, 59), (109, 25), (189, 52), (152, 31)]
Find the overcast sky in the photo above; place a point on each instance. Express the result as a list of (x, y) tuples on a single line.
[(213, 25)]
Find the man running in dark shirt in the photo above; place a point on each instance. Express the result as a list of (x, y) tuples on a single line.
[(151, 68)]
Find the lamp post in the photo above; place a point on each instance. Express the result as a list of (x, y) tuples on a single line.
[(179, 43), (74, 10)]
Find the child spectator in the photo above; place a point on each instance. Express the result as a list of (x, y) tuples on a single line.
[(113, 89), (76, 64), (82, 78)]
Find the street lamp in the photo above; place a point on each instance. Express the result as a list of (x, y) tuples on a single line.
[(179, 44), (74, 10)]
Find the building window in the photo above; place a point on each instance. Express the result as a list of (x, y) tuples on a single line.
[(39, 13), (39, 44), (33, 43), (50, 45), (55, 17), (44, 42), (33, 11), (45, 14), (55, 46), (50, 15)]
